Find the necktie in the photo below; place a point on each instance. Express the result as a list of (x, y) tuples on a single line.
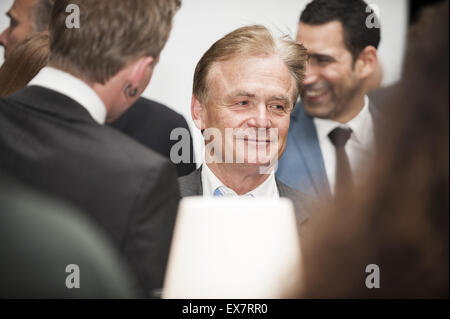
[(222, 192), (218, 192), (339, 137)]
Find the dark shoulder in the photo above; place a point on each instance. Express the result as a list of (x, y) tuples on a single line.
[(129, 149), (146, 109)]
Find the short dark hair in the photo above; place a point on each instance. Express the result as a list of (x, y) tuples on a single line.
[(352, 14)]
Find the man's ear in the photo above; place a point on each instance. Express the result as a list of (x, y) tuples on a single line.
[(366, 62), (198, 112), (141, 72)]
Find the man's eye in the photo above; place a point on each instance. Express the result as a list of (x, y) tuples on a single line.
[(277, 107), (323, 60), (242, 103), (320, 60)]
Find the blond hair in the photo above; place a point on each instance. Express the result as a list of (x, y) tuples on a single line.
[(112, 34), (255, 40), (23, 63)]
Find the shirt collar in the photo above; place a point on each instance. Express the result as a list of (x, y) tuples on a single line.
[(67, 84), (211, 182), (357, 124)]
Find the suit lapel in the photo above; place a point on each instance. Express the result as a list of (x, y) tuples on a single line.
[(295, 196), (307, 143), (198, 181), (191, 185)]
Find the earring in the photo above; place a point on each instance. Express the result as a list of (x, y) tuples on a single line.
[(130, 91)]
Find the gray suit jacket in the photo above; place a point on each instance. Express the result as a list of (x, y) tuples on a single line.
[(191, 185)]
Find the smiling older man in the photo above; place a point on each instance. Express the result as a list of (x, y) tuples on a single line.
[(245, 87)]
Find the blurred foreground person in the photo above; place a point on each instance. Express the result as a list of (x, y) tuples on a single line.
[(24, 63), (53, 137), (391, 239), (50, 250), (20, 25)]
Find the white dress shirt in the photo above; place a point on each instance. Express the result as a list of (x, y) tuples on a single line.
[(359, 148), (74, 88), (210, 182)]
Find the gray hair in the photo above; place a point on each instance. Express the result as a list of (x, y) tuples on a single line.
[(251, 41)]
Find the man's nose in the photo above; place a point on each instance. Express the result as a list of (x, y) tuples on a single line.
[(260, 117), (3, 38), (311, 74)]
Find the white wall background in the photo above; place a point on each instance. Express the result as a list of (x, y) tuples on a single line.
[(4, 21), (200, 23)]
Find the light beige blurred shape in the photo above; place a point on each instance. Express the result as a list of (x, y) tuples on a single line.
[(233, 248)]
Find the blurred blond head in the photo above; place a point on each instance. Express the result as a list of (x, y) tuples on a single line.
[(24, 62)]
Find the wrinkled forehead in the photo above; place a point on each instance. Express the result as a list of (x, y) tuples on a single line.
[(250, 73)]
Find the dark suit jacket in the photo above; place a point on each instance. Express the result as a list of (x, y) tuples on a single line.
[(191, 185), (302, 166), (151, 123), (51, 143)]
